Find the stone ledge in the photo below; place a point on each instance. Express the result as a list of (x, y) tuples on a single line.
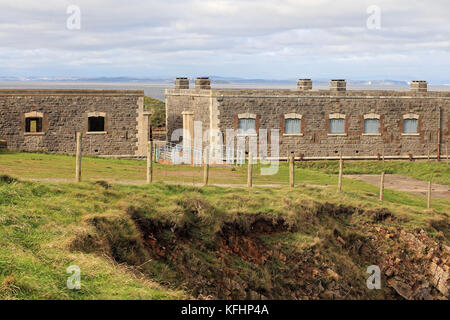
[(292, 134), (411, 134), (95, 92), (34, 134)]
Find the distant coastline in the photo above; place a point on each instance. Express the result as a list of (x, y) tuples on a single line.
[(155, 88)]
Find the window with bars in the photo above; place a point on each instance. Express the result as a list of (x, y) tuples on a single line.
[(371, 126), (292, 126), (337, 126), (247, 126)]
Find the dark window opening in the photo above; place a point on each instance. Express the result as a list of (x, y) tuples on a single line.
[(33, 125), (96, 124)]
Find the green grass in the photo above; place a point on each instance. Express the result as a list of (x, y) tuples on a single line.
[(158, 109), (56, 166), (37, 223), (421, 170), (40, 222)]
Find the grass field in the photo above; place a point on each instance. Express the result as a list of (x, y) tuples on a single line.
[(39, 222), (53, 166)]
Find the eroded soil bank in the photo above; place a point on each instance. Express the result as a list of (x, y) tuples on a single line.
[(319, 251)]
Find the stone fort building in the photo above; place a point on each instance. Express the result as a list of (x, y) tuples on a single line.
[(113, 122), (315, 124), (319, 124)]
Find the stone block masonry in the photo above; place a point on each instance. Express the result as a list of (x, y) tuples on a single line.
[(393, 112), (47, 120)]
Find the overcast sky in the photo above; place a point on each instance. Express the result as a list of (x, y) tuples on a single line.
[(271, 39)]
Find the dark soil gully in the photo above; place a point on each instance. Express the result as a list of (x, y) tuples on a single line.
[(254, 257)]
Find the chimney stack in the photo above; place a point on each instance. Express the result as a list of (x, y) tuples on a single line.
[(181, 83), (203, 83), (304, 84), (419, 86), (338, 85)]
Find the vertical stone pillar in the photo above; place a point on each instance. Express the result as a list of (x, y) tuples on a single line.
[(188, 135)]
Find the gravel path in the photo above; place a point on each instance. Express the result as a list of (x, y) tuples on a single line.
[(405, 184)]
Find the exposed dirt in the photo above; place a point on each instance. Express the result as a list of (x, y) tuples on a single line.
[(405, 184), (228, 259)]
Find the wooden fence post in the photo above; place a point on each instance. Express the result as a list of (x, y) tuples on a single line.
[(446, 150), (206, 168), (78, 158), (382, 186), (341, 167), (250, 170), (429, 195), (150, 162), (291, 171)]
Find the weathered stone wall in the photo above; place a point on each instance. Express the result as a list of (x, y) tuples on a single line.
[(270, 106), (65, 112), (179, 100)]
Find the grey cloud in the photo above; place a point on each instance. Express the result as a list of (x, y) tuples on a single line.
[(133, 35)]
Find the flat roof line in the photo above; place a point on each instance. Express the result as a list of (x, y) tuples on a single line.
[(5, 92)]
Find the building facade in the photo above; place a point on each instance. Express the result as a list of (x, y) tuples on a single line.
[(113, 122), (319, 124)]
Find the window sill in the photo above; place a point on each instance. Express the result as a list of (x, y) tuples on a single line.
[(247, 135), (96, 132), (411, 134), (337, 134), (371, 134), (292, 134), (34, 133)]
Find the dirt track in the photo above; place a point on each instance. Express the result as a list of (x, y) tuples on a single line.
[(405, 184)]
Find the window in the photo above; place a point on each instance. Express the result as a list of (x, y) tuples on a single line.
[(292, 126), (371, 123), (410, 125), (247, 126), (337, 126), (33, 122), (96, 124), (33, 125), (371, 126)]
